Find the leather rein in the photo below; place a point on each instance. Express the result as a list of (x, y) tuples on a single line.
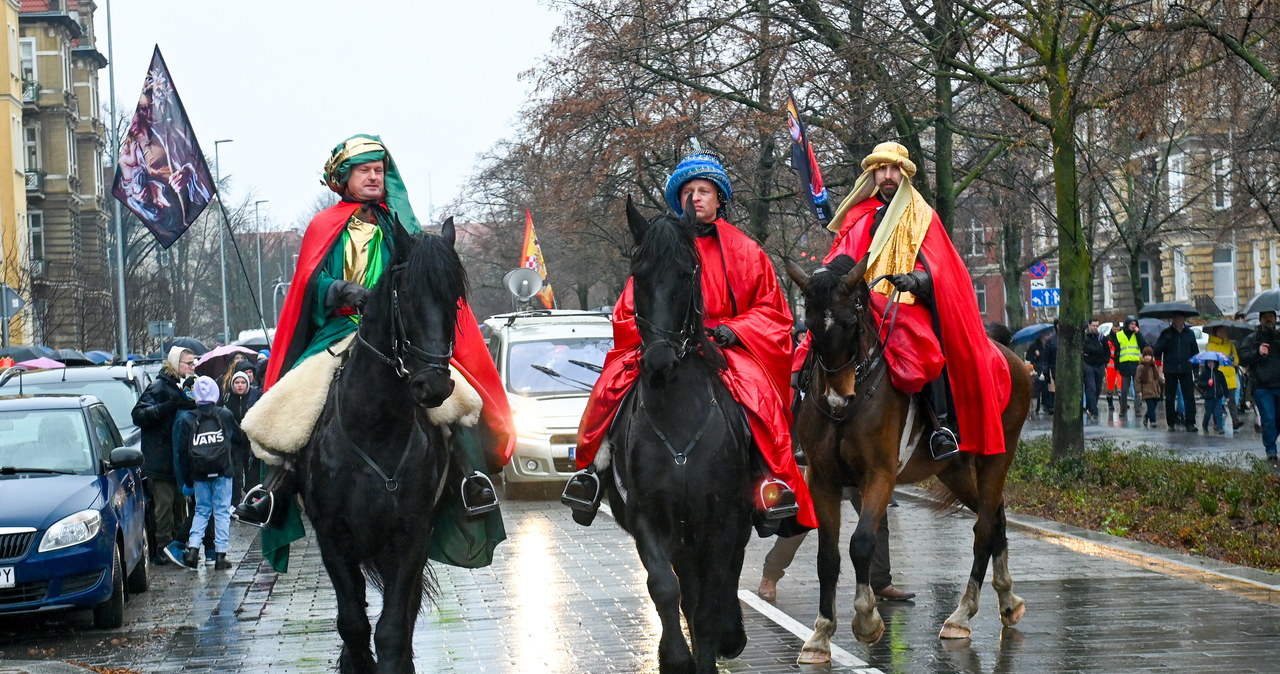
[(869, 369)]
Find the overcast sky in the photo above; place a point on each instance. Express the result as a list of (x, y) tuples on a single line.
[(286, 81)]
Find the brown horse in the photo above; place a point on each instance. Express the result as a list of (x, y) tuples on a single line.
[(857, 430)]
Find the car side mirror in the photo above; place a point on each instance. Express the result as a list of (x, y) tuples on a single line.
[(126, 457)]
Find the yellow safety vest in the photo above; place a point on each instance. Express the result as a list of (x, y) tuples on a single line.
[(1128, 347)]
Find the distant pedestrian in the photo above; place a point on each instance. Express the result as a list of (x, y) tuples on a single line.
[(1220, 342), (239, 399), (1174, 348), (1213, 386), (203, 439), (1035, 359), (1259, 354), (154, 413), (1049, 369), (1129, 343), (1095, 354), (1150, 382)]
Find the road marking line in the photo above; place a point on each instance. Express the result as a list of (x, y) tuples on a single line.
[(838, 655)]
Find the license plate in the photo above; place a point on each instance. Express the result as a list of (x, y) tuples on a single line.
[(573, 451), (6, 576)]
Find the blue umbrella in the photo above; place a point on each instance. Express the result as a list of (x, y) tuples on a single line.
[(99, 357), (1216, 356), (1031, 332)]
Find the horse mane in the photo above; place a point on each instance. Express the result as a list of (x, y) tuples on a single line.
[(433, 260), (668, 244)]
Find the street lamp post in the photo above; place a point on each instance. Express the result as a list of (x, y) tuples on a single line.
[(222, 239), (258, 224)]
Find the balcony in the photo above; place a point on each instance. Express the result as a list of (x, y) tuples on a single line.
[(30, 94), (35, 184)]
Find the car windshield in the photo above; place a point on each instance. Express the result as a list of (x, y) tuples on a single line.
[(45, 440), (569, 358), (117, 395)]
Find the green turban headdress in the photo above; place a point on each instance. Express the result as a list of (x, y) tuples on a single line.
[(363, 148)]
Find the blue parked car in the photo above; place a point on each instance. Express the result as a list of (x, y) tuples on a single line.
[(73, 521)]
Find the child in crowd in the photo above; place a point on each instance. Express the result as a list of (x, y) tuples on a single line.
[(1150, 382), (202, 442), (1213, 386)]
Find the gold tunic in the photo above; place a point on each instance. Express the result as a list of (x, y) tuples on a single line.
[(355, 259)]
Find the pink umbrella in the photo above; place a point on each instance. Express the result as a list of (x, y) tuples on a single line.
[(40, 363), (214, 363)]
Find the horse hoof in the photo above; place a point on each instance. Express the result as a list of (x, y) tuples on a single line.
[(1011, 618), (813, 656), (950, 631), (872, 636)]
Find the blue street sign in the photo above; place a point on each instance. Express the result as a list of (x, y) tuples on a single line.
[(1038, 270), (1045, 297)]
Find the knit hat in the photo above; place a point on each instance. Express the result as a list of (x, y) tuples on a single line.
[(243, 365), (241, 376), (701, 165), (205, 390)]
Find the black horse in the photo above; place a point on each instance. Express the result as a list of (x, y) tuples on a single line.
[(681, 478), (375, 467)]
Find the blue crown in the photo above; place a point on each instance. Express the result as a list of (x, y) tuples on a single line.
[(705, 166)]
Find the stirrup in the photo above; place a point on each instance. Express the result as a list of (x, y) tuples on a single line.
[(943, 444), (479, 508), (580, 502), (777, 501), (247, 505)]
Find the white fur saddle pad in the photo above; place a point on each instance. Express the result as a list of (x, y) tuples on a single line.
[(280, 423)]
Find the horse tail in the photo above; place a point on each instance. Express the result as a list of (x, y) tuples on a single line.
[(943, 500), (430, 588), (999, 333)]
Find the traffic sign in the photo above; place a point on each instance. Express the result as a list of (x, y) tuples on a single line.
[(1038, 270), (1039, 284), (12, 301), (1045, 297)]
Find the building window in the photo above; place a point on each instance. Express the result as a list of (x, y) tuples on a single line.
[(1144, 280), (73, 166), (31, 139), (1177, 183), (980, 289), (1221, 176), (1257, 267), (1181, 276), (1224, 279), (35, 230), (975, 247), (27, 47)]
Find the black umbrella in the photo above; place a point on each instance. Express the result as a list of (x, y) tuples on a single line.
[(1151, 328), (1267, 300), (72, 357), (21, 353), (1236, 330), (256, 343), (1168, 309), (197, 347)]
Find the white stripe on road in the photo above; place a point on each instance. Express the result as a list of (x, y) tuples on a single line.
[(839, 655)]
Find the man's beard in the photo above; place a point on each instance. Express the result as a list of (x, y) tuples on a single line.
[(888, 191)]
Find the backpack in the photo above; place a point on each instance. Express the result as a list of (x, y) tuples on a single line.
[(210, 453)]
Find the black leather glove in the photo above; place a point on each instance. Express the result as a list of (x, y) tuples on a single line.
[(916, 282), (346, 294), (724, 336)]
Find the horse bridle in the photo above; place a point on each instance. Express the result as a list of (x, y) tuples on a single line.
[(400, 344), (683, 340), (869, 369)]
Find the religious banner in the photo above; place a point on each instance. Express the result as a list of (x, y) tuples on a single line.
[(531, 257), (805, 164), (162, 176)]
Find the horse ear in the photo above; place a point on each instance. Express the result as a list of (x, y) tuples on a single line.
[(401, 240), (636, 221), (690, 217), (797, 274), (448, 231), (857, 276)]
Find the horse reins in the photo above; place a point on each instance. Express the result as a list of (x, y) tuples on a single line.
[(872, 366)]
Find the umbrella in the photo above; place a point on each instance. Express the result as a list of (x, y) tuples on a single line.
[(1236, 330), (257, 341), (214, 363), (21, 353), (40, 364), (99, 357), (1151, 328), (72, 357), (1206, 356), (1030, 332), (1267, 300), (1167, 310), (197, 347), (48, 351)]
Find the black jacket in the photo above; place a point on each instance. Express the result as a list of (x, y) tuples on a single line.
[(1095, 350), (154, 414), (1176, 348), (1264, 371), (1219, 388)]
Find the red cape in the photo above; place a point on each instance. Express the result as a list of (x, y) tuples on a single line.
[(758, 375), (294, 330), (976, 369)]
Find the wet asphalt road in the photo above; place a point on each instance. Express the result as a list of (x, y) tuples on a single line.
[(560, 598)]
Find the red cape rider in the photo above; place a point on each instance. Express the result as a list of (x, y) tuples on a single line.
[(886, 218), (747, 314)]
